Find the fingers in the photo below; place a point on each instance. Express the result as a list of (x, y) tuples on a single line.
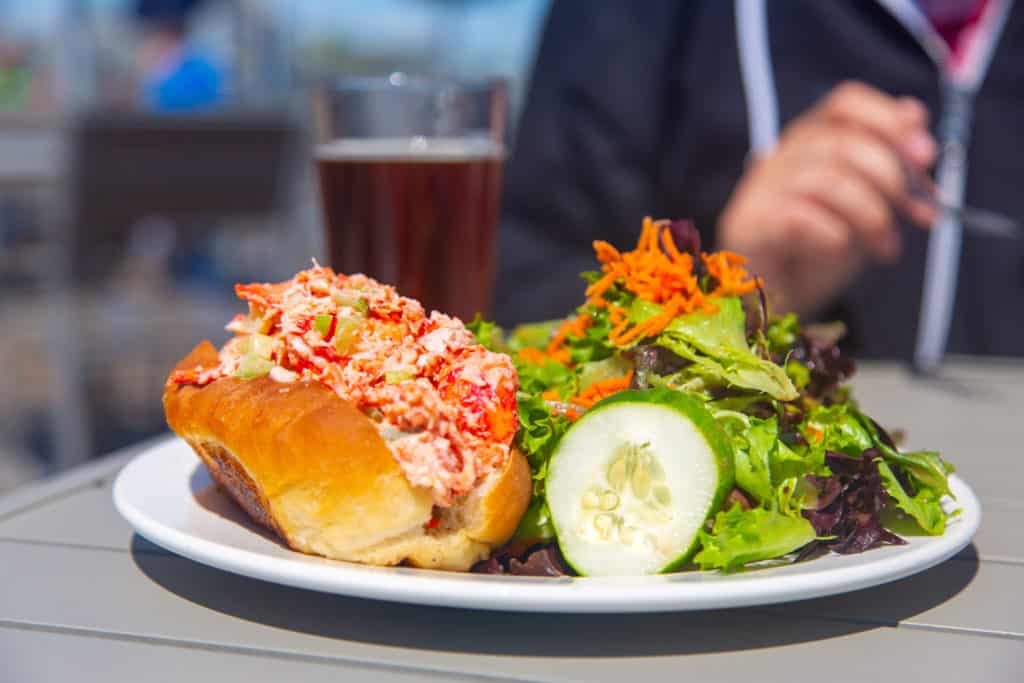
[(814, 208), (863, 154), (921, 212), (901, 122), (805, 250), (869, 158), (854, 200), (810, 227)]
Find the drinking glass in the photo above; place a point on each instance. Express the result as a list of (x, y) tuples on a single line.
[(410, 173)]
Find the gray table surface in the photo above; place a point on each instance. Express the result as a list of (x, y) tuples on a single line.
[(82, 598)]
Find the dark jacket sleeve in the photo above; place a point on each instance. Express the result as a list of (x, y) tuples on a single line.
[(584, 163)]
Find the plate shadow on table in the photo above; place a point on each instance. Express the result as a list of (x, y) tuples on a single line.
[(485, 632)]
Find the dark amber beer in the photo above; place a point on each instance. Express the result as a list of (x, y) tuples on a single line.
[(410, 180), (416, 212)]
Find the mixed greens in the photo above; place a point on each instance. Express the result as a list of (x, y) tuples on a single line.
[(668, 326)]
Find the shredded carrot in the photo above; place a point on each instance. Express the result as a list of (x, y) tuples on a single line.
[(576, 327), (592, 394), (561, 356), (606, 252), (814, 434), (556, 350), (532, 355), (603, 389), (656, 271), (727, 268)]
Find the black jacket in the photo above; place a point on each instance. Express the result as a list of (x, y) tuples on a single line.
[(638, 108)]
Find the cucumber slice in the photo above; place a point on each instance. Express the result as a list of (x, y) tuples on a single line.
[(632, 482)]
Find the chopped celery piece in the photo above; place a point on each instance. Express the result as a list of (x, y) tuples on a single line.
[(398, 376), (259, 345), (322, 323), (352, 299), (253, 366), (258, 321), (345, 334)]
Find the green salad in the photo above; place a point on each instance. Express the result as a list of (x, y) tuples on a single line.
[(671, 425)]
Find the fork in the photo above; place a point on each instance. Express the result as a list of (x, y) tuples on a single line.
[(982, 221)]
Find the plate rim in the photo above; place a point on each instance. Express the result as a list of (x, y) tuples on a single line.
[(660, 593)]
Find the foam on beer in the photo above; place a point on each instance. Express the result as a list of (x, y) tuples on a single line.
[(418, 149)]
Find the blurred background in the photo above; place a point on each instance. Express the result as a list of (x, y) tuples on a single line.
[(116, 253)]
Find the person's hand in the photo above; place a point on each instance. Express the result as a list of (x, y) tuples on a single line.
[(810, 213)]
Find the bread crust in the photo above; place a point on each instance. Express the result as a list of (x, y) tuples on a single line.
[(311, 467)]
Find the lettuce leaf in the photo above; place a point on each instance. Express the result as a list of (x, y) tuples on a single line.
[(782, 333), (838, 429), (795, 495), (532, 335), (536, 523), (535, 379), (743, 536), (717, 334), (539, 433), (767, 469), (539, 430), (716, 345), (752, 459), (789, 462), (601, 370), (488, 334), (924, 506), (926, 469), (593, 345)]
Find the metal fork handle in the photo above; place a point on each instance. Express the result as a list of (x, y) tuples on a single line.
[(982, 221)]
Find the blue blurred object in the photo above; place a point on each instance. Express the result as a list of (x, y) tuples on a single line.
[(178, 78), (193, 83)]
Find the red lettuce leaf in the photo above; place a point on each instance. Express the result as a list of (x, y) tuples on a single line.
[(849, 502), (538, 560)]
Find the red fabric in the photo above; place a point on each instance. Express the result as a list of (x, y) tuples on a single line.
[(954, 21)]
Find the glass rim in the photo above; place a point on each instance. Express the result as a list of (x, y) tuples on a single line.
[(399, 81)]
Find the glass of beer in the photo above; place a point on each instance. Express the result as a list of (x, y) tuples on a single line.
[(410, 178)]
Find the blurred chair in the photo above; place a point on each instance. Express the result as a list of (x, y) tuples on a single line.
[(180, 174), (189, 170)]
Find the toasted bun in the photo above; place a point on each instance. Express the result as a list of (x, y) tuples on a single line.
[(311, 467)]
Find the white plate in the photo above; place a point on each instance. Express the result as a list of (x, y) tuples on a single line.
[(168, 497)]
